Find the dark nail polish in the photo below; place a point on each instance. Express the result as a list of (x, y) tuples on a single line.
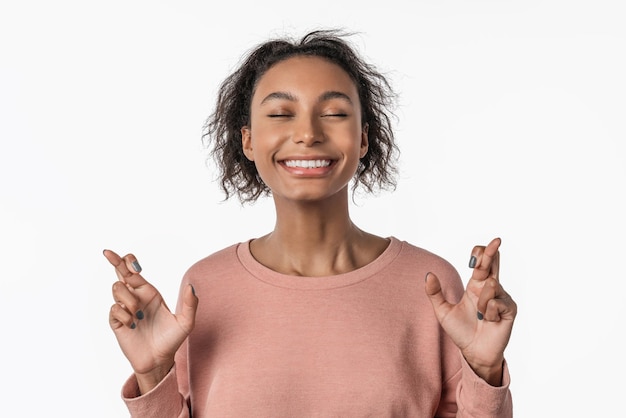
[(136, 266), (139, 314), (133, 326), (193, 290), (479, 315), (472, 262)]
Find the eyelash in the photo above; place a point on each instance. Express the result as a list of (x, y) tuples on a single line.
[(336, 115)]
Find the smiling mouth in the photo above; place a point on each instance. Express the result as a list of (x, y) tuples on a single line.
[(307, 163)]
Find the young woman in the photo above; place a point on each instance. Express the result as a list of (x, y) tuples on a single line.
[(318, 318)]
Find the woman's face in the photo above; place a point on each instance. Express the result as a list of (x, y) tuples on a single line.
[(305, 135)]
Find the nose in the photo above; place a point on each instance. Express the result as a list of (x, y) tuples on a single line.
[(307, 131)]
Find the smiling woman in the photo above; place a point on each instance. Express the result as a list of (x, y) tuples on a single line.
[(233, 111), (317, 317), (294, 124)]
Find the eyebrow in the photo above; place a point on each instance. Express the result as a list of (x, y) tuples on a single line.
[(328, 95)]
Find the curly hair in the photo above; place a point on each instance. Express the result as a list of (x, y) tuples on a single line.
[(222, 130)]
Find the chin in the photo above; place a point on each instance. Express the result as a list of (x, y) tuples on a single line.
[(312, 196)]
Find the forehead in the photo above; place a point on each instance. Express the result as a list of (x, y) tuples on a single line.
[(303, 75)]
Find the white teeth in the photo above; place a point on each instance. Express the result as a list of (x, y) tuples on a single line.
[(307, 163)]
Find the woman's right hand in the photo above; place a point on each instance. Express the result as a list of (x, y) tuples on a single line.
[(148, 333)]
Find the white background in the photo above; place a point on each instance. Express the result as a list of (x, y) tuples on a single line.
[(511, 124)]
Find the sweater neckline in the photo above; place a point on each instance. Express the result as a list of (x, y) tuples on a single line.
[(267, 275)]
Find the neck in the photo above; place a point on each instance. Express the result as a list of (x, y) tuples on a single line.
[(312, 223), (316, 239)]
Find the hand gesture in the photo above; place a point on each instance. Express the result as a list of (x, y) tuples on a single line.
[(146, 330), (481, 323)]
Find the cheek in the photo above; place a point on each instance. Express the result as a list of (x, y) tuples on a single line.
[(265, 136), (263, 147), (355, 136)]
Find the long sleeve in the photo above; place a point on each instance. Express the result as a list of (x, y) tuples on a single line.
[(164, 401), (476, 398)]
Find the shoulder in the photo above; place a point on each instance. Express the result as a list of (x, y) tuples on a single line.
[(412, 254), (222, 261), (417, 259)]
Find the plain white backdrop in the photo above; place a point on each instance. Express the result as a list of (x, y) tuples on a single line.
[(511, 124)]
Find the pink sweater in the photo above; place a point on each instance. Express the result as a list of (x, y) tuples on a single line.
[(360, 344)]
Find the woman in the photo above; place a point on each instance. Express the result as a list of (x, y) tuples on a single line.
[(316, 318)]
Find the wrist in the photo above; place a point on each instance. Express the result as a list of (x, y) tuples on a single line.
[(492, 374), (149, 380)]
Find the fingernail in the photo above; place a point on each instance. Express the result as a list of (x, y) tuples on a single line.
[(472, 262), (139, 314), (133, 326), (426, 277), (136, 266), (479, 315), (193, 290)]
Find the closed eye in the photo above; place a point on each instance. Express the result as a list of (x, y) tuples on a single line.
[(335, 115), (278, 115)]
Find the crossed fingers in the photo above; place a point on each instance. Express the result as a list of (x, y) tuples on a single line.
[(493, 301)]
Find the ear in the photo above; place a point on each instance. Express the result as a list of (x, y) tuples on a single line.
[(364, 141), (246, 142)]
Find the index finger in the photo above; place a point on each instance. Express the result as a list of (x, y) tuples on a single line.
[(126, 268)]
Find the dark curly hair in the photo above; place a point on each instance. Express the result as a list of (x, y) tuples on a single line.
[(222, 130)]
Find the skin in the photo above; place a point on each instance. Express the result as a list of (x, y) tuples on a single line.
[(319, 119)]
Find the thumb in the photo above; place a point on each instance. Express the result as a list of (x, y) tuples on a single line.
[(438, 300), (187, 316)]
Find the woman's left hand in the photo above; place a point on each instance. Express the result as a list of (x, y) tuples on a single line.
[(481, 323)]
